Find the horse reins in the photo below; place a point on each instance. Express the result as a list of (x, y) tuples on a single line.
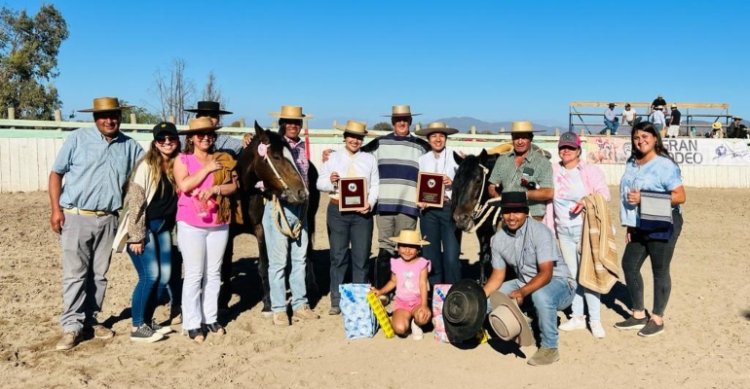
[(279, 216), (480, 210)]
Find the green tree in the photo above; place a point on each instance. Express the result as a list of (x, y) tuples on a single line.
[(382, 126), (29, 46)]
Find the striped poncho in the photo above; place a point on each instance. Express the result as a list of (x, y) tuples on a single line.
[(398, 166)]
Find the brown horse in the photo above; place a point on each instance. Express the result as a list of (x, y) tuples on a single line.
[(267, 158)]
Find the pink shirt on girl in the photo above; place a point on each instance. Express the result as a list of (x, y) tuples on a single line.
[(407, 278), (188, 206)]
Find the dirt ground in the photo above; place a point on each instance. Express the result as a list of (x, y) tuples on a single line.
[(705, 344)]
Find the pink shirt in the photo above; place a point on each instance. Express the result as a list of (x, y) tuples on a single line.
[(189, 209), (407, 277), (593, 179)]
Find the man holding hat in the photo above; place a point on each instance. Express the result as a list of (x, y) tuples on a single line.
[(674, 122), (736, 129), (524, 170), (437, 223), (610, 120), (396, 154), (95, 163), (349, 228), (529, 248)]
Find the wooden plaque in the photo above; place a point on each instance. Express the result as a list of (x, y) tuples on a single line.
[(430, 189), (352, 194)]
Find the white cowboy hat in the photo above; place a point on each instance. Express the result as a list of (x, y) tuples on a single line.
[(354, 127), (410, 237), (507, 320), (401, 111), (436, 127), (290, 112)]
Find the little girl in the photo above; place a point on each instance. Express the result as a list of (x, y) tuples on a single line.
[(409, 277)]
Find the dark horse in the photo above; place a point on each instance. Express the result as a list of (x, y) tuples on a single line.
[(472, 209), (272, 165)]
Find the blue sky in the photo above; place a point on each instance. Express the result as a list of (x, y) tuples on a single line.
[(493, 60)]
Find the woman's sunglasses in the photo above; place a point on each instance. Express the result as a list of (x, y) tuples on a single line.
[(203, 135), (163, 139)]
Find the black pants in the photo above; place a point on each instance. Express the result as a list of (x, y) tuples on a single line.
[(660, 251), (345, 229)]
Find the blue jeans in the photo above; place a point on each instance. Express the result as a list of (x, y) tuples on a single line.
[(570, 239), (154, 267), (611, 125), (279, 248), (437, 225), (555, 296)]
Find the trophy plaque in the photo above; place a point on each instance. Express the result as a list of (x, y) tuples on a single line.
[(430, 189), (352, 194)]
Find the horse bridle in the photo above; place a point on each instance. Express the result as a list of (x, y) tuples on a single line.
[(480, 211), (279, 216)]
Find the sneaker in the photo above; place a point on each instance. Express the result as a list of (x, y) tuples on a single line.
[(416, 331), (334, 311), (102, 332), (304, 313), (161, 329), (216, 329), (68, 340), (596, 329), (631, 323), (575, 323), (544, 356), (651, 329), (280, 319), (145, 334)]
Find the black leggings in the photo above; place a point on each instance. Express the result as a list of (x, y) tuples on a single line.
[(636, 251)]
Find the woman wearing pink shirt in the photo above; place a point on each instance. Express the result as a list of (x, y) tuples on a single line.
[(573, 181)]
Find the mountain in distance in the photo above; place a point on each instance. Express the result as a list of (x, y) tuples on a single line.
[(464, 123)]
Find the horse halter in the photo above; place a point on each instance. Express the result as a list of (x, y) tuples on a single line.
[(480, 211), (263, 150)]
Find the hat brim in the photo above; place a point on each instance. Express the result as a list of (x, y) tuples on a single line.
[(446, 130), (401, 115), (464, 332), (280, 116), (120, 108), (421, 242), (346, 131), (196, 130), (196, 110), (526, 337)]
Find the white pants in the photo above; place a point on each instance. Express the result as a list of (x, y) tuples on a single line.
[(673, 131), (202, 250)]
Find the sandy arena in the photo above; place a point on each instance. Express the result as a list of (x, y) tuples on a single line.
[(705, 344)]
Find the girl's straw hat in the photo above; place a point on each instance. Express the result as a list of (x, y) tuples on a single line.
[(410, 237)]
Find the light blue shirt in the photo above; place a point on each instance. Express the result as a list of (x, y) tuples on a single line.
[(657, 175), (94, 170)]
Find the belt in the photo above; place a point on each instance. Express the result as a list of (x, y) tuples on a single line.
[(334, 202), (86, 212), (540, 218)]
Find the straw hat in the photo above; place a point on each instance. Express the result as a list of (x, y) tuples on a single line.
[(673, 105), (208, 107), (401, 111), (410, 237), (354, 127), (436, 127), (290, 112), (202, 124), (716, 126), (507, 320), (105, 104), (522, 127)]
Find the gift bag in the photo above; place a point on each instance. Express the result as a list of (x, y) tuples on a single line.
[(438, 296), (359, 321)]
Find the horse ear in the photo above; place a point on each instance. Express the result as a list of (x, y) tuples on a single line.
[(258, 129), (458, 157), (483, 155)]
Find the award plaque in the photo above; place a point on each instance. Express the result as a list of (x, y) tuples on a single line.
[(352, 194), (430, 189)]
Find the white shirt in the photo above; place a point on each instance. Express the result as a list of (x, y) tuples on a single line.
[(361, 164), (657, 117), (441, 163), (609, 114), (629, 115)]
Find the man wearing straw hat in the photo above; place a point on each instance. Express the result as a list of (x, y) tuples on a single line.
[(212, 110), (397, 154), (95, 163), (524, 170), (529, 248)]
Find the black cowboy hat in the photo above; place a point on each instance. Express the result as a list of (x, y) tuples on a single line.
[(514, 200), (208, 107), (464, 309)]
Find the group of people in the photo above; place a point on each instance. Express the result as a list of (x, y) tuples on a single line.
[(667, 122), (186, 178)]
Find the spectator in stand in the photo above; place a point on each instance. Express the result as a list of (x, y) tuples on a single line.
[(674, 122), (716, 131), (630, 116), (658, 102), (737, 129), (610, 120), (658, 120)]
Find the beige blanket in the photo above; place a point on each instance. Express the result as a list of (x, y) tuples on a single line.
[(600, 264)]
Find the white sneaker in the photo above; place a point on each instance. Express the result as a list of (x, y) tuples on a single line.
[(575, 323), (416, 331), (596, 329)]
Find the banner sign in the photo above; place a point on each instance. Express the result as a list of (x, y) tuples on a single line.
[(685, 151)]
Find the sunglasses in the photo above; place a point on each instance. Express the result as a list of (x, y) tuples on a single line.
[(164, 138), (203, 135)]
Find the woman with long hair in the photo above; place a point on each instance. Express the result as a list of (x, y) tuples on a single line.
[(146, 226), (204, 179), (649, 173)]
